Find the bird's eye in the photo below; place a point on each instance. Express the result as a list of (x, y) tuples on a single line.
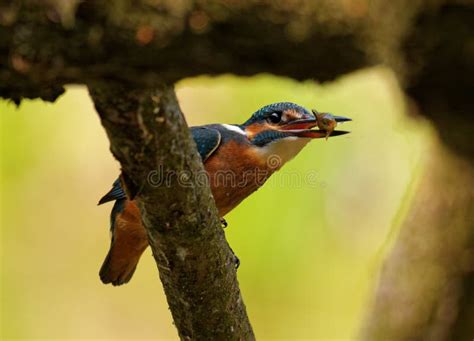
[(274, 117)]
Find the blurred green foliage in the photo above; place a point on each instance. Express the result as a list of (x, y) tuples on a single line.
[(310, 252)]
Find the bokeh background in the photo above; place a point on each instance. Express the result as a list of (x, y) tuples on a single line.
[(310, 252)]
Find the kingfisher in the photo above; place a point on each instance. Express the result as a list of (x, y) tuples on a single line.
[(238, 159)]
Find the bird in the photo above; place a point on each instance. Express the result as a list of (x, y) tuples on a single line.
[(238, 159)]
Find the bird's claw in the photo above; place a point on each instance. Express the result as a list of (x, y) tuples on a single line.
[(236, 262), (236, 259)]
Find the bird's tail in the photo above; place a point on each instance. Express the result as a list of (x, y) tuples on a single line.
[(129, 240), (117, 269)]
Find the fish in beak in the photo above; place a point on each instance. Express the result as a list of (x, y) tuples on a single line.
[(325, 122)]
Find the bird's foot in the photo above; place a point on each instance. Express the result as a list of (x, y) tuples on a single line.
[(235, 259), (223, 223), (236, 262)]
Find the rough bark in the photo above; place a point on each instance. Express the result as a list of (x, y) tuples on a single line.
[(151, 41), (46, 44), (150, 138)]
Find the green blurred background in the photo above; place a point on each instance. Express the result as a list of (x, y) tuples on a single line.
[(310, 253)]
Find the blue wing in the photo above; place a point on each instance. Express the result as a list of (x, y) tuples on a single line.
[(207, 141)]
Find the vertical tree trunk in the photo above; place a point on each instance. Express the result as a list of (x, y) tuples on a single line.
[(421, 289)]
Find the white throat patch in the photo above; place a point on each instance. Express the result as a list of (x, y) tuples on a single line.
[(285, 148)]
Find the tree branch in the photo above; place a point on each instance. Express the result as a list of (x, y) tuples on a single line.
[(145, 42), (421, 290), (426, 286), (150, 138)]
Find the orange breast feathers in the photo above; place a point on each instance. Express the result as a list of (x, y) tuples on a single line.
[(235, 171)]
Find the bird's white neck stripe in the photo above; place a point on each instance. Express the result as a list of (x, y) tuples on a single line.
[(285, 148), (235, 129)]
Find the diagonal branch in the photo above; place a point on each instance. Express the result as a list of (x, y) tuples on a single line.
[(150, 138)]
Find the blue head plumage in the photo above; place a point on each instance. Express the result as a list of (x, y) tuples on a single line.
[(266, 111)]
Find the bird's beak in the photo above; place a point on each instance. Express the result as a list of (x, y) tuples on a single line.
[(302, 128), (342, 119), (318, 134), (305, 123)]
